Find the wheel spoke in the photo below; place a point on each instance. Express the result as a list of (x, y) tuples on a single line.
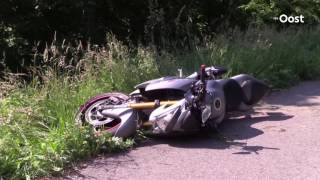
[(94, 116)]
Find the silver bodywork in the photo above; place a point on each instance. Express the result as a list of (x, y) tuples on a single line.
[(176, 83), (191, 111), (166, 119), (214, 103), (128, 124)]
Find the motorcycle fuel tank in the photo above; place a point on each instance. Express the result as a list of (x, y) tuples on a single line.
[(144, 84), (174, 83)]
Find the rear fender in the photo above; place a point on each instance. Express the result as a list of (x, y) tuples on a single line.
[(253, 89)]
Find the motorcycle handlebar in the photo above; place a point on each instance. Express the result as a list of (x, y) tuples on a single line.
[(203, 73)]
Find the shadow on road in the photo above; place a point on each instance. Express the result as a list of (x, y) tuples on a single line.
[(230, 132), (240, 128)]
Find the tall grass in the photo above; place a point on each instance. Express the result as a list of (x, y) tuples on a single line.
[(38, 135), (282, 59)]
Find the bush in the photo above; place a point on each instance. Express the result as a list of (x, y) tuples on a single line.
[(262, 12)]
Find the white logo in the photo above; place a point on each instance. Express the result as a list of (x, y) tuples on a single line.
[(283, 18)]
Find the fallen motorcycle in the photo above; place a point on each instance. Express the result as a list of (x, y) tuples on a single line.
[(173, 105)]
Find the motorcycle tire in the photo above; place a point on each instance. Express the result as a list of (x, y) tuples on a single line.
[(82, 119)]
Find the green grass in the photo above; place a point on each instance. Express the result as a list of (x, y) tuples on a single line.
[(38, 135), (281, 59)]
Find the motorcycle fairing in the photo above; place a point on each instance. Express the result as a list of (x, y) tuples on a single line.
[(174, 119), (181, 117), (214, 106), (128, 118), (164, 118)]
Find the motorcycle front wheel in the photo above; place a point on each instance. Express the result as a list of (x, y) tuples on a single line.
[(90, 112)]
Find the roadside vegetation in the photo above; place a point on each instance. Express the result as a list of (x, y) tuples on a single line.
[(282, 59)]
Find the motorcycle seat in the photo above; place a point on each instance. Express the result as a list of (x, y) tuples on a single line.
[(218, 70)]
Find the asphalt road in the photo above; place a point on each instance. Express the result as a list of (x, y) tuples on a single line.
[(281, 140)]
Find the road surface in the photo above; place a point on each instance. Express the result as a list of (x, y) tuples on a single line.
[(281, 140)]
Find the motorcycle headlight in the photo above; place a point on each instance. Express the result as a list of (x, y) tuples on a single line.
[(164, 117), (163, 121)]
